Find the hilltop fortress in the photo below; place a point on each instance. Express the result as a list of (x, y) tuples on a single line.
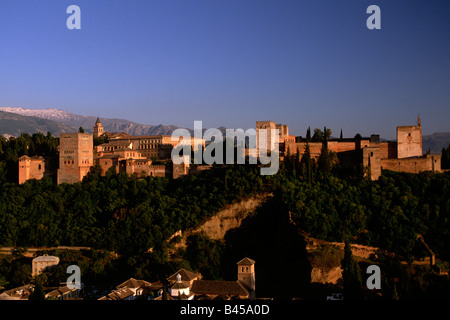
[(136, 154), (121, 153), (403, 155)]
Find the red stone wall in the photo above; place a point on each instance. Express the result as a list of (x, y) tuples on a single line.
[(413, 165)]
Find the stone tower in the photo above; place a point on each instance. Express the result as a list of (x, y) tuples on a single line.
[(265, 140), (409, 141), (76, 156), (246, 274), (31, 168), (98, 128)]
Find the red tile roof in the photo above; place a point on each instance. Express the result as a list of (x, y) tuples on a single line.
[(213, 287), (185, 275), (246, 261)]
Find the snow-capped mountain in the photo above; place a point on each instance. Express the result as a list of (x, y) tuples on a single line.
[(76, 121), (49, 114)]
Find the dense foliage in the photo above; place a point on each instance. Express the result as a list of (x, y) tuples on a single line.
[(329, 198), (445, 160), (117, 212), (388, 213), (13, 148)]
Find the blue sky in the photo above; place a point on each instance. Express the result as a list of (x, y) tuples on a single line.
[(232, 62)]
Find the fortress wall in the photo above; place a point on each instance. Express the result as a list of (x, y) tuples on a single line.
[(388, 149), (157, 171), (338, 146), (413, 165), (314, 148)]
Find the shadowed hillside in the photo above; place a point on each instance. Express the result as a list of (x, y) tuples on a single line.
[(282, 267)]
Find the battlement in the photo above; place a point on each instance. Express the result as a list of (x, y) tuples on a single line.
[(265, 125)]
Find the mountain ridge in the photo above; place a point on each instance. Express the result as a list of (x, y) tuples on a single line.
[(17, 120), (12, 124), (75, 121)]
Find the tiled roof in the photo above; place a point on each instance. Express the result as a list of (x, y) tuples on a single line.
[(32, 158), (180, 285), (119, 135), (133, 283), (213, 287), (246, 261), (53, 294), (185, 275), (119, 294), (59, 292), (22, 292)]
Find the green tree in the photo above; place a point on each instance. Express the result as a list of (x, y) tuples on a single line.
[(320, 135), (306, 164), (445, 160), (38, 292), (351, 275), (21, 275), (324, 161)]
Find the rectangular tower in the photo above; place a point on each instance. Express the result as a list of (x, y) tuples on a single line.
[(76, 156), (264, 139), (409, 141), (246, 275), (31, 168)]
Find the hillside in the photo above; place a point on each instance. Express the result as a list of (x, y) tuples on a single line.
[(74, 121), (436, 141), (229, 217), (12, 124)]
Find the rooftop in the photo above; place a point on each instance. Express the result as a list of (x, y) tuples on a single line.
[(246, 261), (46, 258), (214, 287), (133, 283), (118, 294), (185, 275)]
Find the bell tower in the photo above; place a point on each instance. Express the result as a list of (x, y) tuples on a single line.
[(246, 274), (98, 128)]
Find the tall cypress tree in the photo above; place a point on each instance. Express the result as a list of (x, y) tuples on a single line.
[(324, 161), (306, 163), (351, 275), (308, 134), (445, 160)]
